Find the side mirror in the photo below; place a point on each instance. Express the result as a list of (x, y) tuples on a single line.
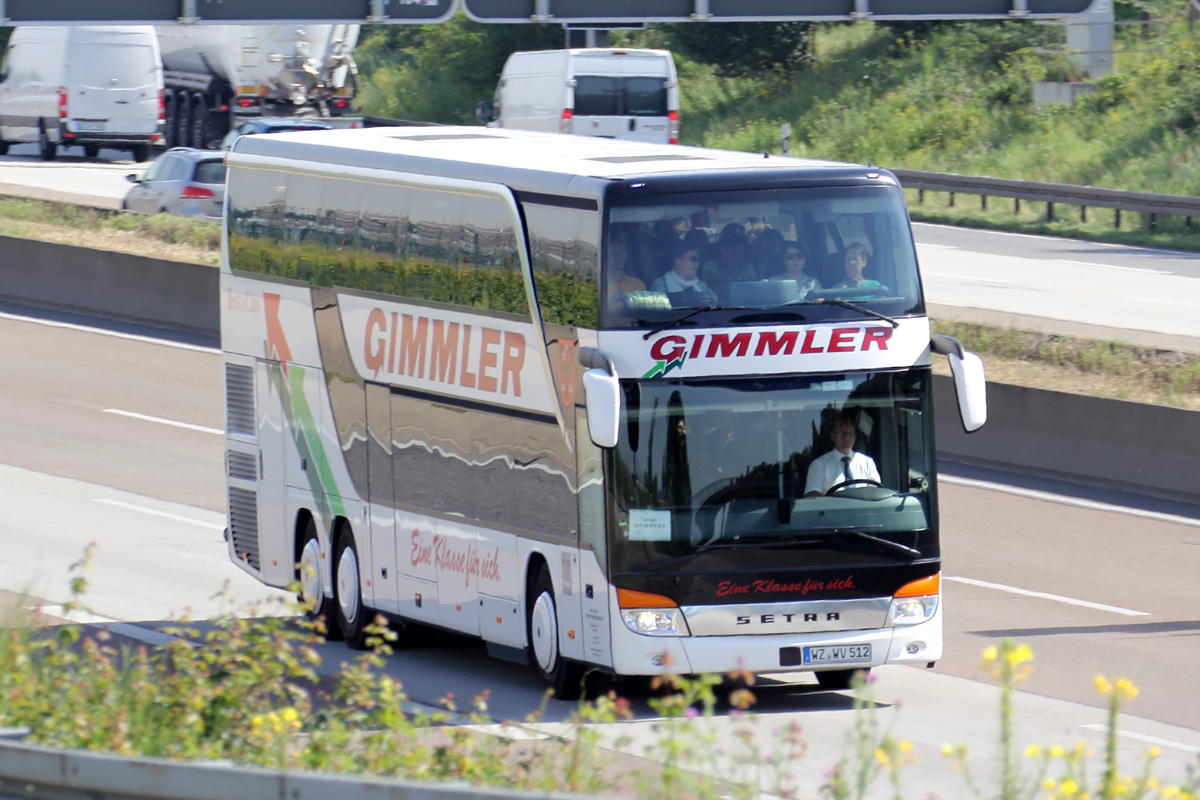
[(483, 112), (132, 178), (970, 385), (602, 394)]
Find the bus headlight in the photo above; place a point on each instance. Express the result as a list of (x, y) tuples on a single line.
[(915, 602), (655, 621), (651, 614), (912, 610)]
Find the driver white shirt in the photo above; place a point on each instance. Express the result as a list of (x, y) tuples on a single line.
[(829, 470)]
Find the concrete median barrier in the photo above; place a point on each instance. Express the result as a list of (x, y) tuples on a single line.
[(174, 295)]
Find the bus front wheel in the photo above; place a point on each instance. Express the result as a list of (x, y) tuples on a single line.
[(563, 676), (308, 575), (840, 678), (347, 590)]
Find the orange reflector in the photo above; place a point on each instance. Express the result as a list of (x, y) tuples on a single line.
[(919, 588), (630, 598)]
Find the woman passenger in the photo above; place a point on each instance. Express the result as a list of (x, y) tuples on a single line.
[(681, 283), (794, 259)]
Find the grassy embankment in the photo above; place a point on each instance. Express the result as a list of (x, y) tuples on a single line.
[(958, 98)]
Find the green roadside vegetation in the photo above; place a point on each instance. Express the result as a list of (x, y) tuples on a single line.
[(246, 690), (159, 236)]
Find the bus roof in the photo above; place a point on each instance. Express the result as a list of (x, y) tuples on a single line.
[(529, 160)]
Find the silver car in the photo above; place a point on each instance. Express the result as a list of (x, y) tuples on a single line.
[(181, 181)]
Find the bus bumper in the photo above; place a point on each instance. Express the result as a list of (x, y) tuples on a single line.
[(635, 654)]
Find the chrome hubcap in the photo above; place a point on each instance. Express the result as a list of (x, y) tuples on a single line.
[(310, 574), (544, 632), (347, 585)]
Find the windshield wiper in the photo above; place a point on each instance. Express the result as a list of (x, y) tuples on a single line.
[(768, 314), (888, 544), (672, 323), (849, 305)]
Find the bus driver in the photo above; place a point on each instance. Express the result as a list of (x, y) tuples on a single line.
[(842, 463)]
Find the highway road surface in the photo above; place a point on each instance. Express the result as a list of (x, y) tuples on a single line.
[(115, 438)]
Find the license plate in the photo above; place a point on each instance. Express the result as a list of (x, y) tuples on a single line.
[(838, 654), (90, 125)]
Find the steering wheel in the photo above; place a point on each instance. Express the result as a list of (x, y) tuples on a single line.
[(852, 482)]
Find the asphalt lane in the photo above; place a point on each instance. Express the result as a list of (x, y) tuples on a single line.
[(150, 494), (70, 178)]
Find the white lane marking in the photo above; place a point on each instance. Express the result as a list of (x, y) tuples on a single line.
[(1071, 601), (1113, 266), (1069, 501), (155, 513), (161, 421), (964, 277), (116, 334), (1141, 737), (1188, 254), (938, 246), (1160, 300)]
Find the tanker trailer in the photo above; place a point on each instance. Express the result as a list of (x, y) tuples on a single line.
[(215, 75)]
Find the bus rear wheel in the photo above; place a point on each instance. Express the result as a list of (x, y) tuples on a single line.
[(563, 676), (840, 678), (347, 590), (312, 592)]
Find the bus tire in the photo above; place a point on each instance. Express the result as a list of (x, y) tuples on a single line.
[(308, 575), (347, 590), (563, 676), (840, 678)]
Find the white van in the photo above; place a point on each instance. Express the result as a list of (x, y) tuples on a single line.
[(92, 86), (617, 93)]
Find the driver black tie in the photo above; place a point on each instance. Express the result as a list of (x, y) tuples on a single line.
[(846, 467)]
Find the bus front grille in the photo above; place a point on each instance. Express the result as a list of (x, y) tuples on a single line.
[(243, 525), (239, 399)]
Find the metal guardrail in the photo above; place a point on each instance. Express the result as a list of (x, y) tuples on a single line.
[(1050, 193), (43, 773)]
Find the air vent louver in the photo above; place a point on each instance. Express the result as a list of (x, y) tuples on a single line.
[(243, 466), (239, 399), (243, 525)]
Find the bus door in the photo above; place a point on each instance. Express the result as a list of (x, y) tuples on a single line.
[(382, 586)]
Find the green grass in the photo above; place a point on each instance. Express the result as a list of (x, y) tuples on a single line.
[(202, 234)]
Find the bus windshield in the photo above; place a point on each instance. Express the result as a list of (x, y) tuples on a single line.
[(782, 250), (704, 464)]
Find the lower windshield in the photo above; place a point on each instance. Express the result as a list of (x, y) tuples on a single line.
[(843, 459), (780, 250)]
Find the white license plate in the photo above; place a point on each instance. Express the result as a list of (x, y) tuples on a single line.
[(838, 654), (90, 125)]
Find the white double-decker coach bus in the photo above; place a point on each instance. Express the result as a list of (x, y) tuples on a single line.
[(603, 404)]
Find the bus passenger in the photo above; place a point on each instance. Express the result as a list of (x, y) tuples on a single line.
[(620, 282), (732, 262), (855, 263), (795, 256), (842, 463), (681, 283)]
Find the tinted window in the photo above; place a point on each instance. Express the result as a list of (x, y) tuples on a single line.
[(439, 246), (597, 96), (209, 172), (564, 248), (159, 168), (289, 128), (645, 97)]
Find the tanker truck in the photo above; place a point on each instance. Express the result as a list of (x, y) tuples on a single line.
[(215, 76)]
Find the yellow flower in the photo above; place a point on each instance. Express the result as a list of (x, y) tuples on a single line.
[(1154, 752), (256, 721), (947, 750), (1102, 685), (1068, 787), (1126, 688), (990, 654), (881, 756), (1049, 784), (1033, 751), (1056, 751), (905, 746), (1019, 655), (1151, 783), (290, 715)]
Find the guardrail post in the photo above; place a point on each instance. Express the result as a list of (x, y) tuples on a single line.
[(1117, 219), (1153, 222), (1187, 221), (1016, 205), (952, 199), (920, 195), (983, 202), (1083, 213), (1049, 212)]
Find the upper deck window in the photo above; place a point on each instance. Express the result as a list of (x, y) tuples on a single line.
[(780, 250)]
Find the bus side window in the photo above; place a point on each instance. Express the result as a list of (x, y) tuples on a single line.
[(564, 246)]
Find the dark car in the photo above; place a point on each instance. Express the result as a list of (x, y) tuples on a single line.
[(268, 125), (181, 181)]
